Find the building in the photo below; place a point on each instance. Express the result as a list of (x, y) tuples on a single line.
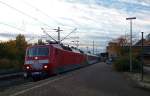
[(113, 48)]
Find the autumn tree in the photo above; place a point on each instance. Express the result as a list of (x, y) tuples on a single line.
[(8, 49), (12, 52), (21, 46), (119, 45)]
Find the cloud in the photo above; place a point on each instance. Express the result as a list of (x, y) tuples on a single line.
[(13, 35), (98, 20), (140, 2)]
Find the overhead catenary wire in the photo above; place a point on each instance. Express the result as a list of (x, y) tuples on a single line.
[(47, 15), (48, 35), (69, 34), (30, 16), (23, 13), (12, 26), (41, 11), (19, 29)]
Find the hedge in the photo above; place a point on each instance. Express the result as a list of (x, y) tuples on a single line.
[(123, 65)]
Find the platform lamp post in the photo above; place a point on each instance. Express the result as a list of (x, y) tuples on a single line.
[(142, 58), (130, 53)]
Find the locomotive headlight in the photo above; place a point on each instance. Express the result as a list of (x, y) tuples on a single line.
[(28, 67), (45, 66), (35, 58)]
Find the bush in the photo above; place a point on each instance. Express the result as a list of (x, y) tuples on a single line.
[(16, 65), (123, 65), (12, 53), (5, 64), (9, 64)]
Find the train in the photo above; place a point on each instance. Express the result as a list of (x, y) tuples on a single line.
[(50, 59)]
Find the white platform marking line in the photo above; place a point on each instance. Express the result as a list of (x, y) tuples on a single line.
[(37, 86)]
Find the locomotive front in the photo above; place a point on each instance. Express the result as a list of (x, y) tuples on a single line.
[(37, 61)]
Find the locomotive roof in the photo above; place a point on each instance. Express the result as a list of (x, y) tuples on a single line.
[(61, 46)]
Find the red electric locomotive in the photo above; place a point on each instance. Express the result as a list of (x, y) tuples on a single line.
[(45, 60)]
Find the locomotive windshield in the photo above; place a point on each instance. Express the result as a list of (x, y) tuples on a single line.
[(38, 51)]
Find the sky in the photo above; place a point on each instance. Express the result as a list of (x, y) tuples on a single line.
[(96, 20)]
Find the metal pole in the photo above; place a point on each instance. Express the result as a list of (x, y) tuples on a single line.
[(93, 46), (87, 48), (131, 45), (58, 35), (142, 59), (77, 43), (58, 30), (131, 18)]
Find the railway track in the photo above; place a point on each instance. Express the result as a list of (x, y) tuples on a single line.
[(9, 80), (12, 75), (16, 79)]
